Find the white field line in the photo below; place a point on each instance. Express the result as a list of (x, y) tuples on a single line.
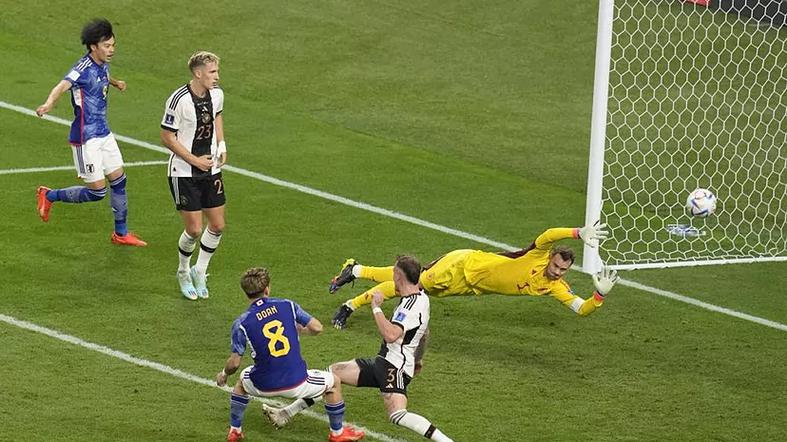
[(53, 168), (705, 305), (419, 222), (161, 367)]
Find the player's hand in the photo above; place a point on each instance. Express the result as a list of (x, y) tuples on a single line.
[(203, 163), (120, 85), (419, 365), (377, 299), (594, 234), (222, 159), (605, 280), (43, 109), (221, 378)]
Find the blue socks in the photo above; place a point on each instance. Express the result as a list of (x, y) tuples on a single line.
[(81, 194), (335, 416), (238, 405), (119, 202), (76, 194)]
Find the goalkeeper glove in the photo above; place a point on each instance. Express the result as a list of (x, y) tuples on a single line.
[(605, 280), (592, 235)]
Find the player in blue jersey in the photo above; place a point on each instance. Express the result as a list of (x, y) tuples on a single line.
[(270, 326), (399, 359), (96, 153)]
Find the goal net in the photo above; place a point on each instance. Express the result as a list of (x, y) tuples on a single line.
[(688, 96)]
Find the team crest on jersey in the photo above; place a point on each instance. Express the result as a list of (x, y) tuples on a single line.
[(205, 116)]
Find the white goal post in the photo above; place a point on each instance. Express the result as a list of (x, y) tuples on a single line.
[(688, 94)]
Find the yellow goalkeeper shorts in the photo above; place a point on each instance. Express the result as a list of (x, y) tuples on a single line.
[(447, 276)]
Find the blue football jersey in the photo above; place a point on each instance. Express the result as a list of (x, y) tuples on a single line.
[(89, 87), (268, 326)]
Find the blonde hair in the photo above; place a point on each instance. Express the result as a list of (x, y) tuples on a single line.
[(201, 58)]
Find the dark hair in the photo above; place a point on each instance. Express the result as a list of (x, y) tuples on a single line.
[(566, 253), (255, 281), (96, 31), (410, 267)]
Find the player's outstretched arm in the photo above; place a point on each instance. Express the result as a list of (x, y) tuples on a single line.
[(593, 235), (584, 307), (313, 327), (605, 280), (54, 95)]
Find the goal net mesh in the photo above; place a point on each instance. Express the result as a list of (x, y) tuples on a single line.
[(697, 98)]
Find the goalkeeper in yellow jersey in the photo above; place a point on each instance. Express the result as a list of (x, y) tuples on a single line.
[(535, 271)]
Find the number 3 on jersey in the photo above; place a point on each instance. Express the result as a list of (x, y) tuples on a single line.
[(274, 331)]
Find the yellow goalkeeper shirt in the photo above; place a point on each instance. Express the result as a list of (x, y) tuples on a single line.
[(523, 273)]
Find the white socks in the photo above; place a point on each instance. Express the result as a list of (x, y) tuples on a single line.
[(419, 424), (186, 246), (207, 244), (297, 406)]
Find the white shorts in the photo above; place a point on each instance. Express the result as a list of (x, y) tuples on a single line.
[(317, 383), (97, 158)]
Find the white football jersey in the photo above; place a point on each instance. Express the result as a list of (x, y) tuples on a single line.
[(412, 314), (192, 118)]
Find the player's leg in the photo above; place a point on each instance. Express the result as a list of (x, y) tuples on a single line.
[(192, 227), (211, 237), (396, 406), (387, 288), (344, 311), (334, 407), (348, 372), (393, 383), (119, 202), (212, 202), (446, 276), (354, 372), (185, 195), (376, 274), (351, 270), (85, 159), (239, 400), (317, 384), (112, 166)]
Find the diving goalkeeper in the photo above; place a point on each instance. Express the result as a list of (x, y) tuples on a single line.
[(537, 270)]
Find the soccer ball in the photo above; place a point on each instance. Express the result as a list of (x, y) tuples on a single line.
[(701, 203)]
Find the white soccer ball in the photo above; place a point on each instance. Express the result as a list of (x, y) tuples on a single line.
[(701, 203)]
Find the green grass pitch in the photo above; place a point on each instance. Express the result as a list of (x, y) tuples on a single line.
[(472, 115)]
